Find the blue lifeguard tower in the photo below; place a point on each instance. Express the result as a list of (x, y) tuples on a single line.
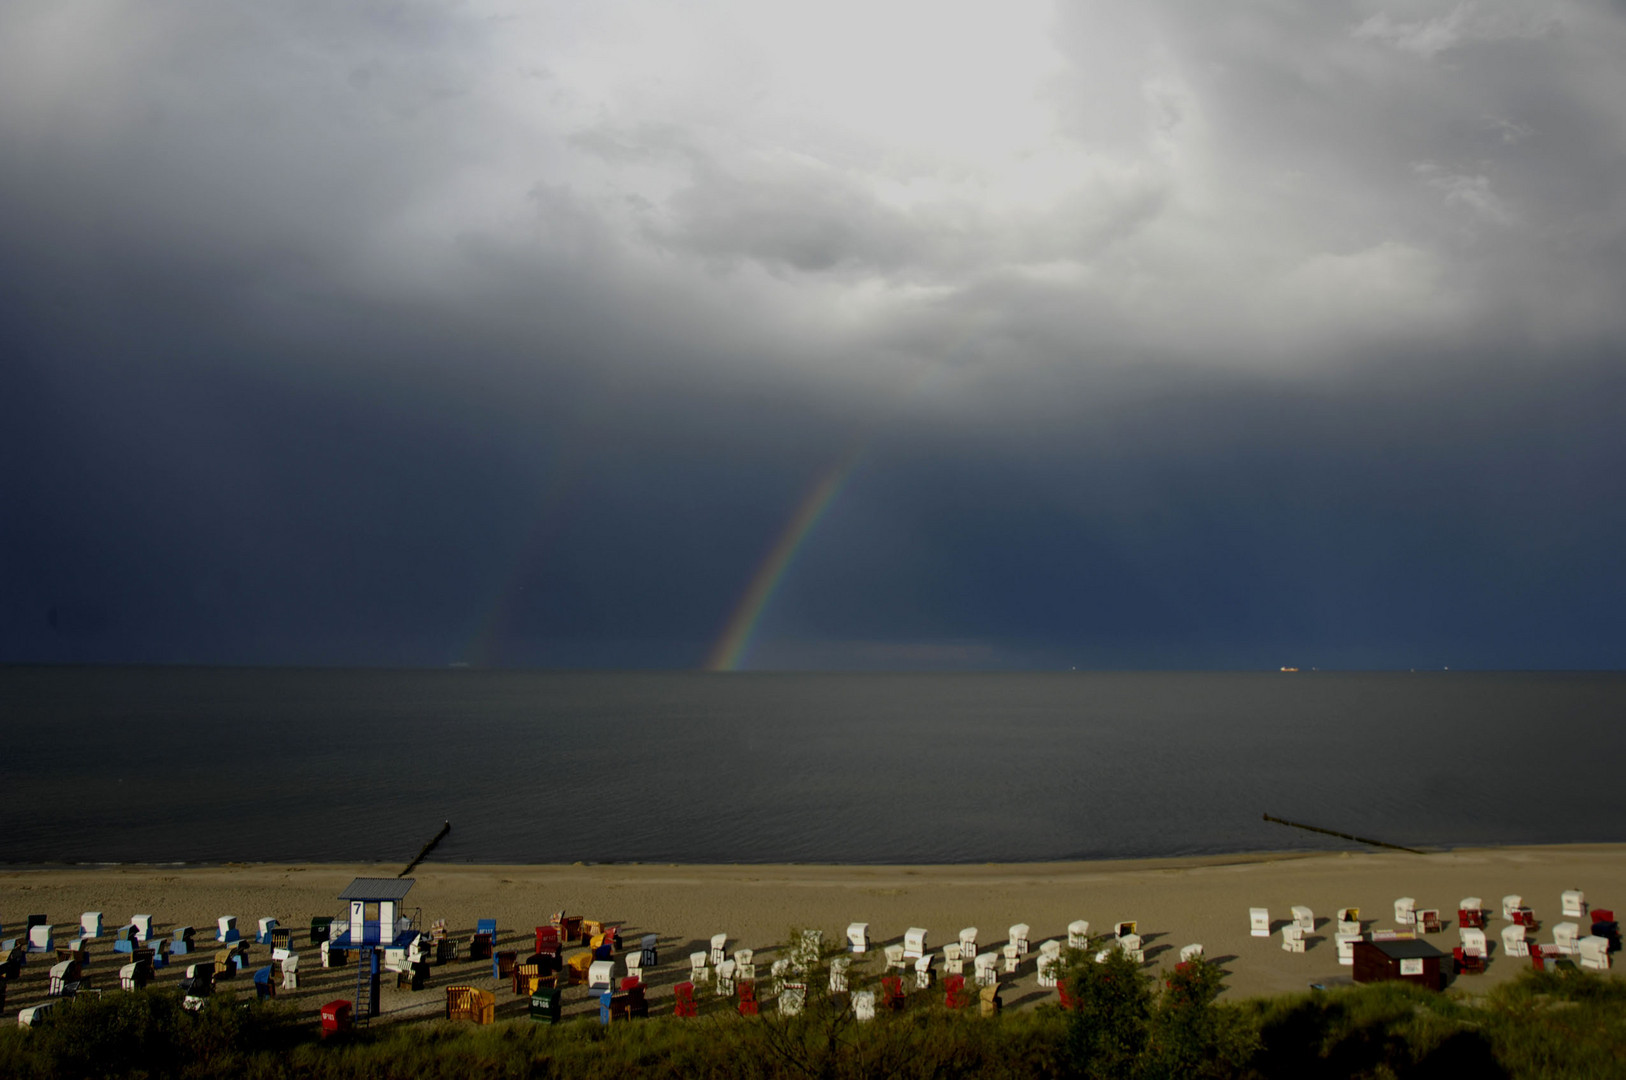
[(375, 904)]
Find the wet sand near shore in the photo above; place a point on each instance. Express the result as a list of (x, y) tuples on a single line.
[(1175, 901)]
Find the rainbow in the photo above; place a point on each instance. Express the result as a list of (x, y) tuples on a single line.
[(731, 646)]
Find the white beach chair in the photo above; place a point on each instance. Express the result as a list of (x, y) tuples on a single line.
[(914, 943), (1349, 920), (791, 1000), (90, 924), (35, 1014), (1078, 934), (1346, 947), (1594, 952), (699, 973), (1259, 922), (266, 926), (725, 979), (601, 975), (290, 972), (62, 975), (1566, 936), (226, 929), (953, 959), (839, 967), (41, 939), (894, 957), (143, 925), (1130, 944), (1572, 904), (985, 969), (1511, 903), (719, 949), (1304, 918), (864, 1005), (1125, 928), (129, 979), (923, 972), (1191, 952), (1406, 911), (1474, 939), (1019, 937), (1513, 943), (1013, 957), (635, 965), (1049, 963), (858, 936), (1470, 909), (968, 942), (745, 964), (1293, 938)]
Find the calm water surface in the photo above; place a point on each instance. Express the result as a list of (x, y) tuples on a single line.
[(199, 764)]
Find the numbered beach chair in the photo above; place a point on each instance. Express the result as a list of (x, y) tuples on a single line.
[(1572, 904), (1567, 936), (1259, 922), (914, 943), (858, 937), (1303, 918), (1293, 938)]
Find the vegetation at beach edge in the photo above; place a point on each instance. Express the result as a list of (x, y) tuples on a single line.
[(1125, 1025)]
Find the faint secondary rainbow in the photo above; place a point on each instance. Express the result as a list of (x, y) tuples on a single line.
[(731, 646)]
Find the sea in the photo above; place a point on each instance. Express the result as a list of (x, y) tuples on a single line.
[(213, 765)]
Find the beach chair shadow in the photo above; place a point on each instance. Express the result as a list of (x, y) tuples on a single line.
[(1031, 997), (1157, 950)]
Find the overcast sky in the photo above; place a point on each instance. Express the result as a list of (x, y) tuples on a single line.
[(1125, 334)]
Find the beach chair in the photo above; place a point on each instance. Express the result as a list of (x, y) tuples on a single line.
[(1303, 918), (35, 1015), (471, 1004), (968, 942), (953, 959), (634, 962), (1132, 946), (838, 974), (90, 924), (1428, 921), (1049, 964), (263, 935), (914, 943), (1349, 921), (40, 939), (894, 958), (699, 973), (1474, 944), (1594, 952), (747, 991), (1125, 928), (134, 976), (1510, 903), (547, 1005), (290, 972), (198, 981), (225, 930), (599, 974), (1513, 942), (683, 1000), (990, 1001), (745, 966), (1526, 918), (863, 1002), (1293, 938), (858, 936), (1471, 913), (648, 952), (1572, 904), (985, 968), (719, 949), (1406, 911), (891, 993), (1188, 953), (143, 926), (64, 979), (1259, 922), (1019, 937), (955, 995), (1013, 957), (792, 999), (724, 981), (125, 940), (1469, 961), (1346, 947), (630, 1003), (923, 972), (263, 986), (1566, 935), (1078, 934)]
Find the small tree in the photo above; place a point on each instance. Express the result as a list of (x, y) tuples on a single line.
[(1191, 1035), (1107, 1029)]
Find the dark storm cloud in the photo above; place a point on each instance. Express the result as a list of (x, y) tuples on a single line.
[(1172, 336)]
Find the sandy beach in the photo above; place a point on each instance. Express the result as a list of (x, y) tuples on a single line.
[(1175, 901)]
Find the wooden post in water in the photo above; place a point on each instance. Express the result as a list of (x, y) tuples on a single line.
[(427, 848), (1343, 835)]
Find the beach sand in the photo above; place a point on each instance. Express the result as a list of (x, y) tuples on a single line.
[(1175, 901)]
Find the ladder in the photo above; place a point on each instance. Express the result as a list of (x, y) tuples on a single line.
[(365, 959)]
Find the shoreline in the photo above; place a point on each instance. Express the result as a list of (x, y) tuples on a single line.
[(1177, 900)]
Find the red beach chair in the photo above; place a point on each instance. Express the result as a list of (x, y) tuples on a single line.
[(683, 994), (892, 992), (747, 992), (954, 993)]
